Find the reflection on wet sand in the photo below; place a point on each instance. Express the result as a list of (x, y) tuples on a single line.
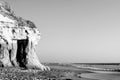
[(101, 76)]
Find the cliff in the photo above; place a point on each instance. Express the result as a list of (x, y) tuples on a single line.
[(18, 39)]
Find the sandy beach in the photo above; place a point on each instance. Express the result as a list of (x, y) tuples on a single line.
[(57, 72), (73, 73), (101, 76)]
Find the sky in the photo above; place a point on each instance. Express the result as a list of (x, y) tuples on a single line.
[(74, 31)]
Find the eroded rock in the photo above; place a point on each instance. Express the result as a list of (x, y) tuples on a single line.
[(18, 39)]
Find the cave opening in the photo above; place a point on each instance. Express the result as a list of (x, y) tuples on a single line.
[(21, 55)]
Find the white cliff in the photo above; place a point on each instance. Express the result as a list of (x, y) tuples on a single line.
[(18, 39)]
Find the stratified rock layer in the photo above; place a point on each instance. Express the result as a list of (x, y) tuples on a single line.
[(18, 38)]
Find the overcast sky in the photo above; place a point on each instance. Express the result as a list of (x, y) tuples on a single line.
[(74, 30)]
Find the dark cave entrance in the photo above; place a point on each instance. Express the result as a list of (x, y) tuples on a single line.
[(21, 52)]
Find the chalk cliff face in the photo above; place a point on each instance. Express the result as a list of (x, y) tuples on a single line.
[(18, 39)]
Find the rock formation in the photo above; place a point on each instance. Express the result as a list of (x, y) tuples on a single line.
[(18, 39)]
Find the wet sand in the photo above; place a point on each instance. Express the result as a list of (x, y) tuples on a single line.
[(101, 76), (73, 73)]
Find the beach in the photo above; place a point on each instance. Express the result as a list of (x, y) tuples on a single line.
[(101, 76), (83, 73), (60, 72)]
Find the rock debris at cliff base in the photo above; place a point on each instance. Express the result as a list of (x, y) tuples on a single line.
[(8, 73)]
